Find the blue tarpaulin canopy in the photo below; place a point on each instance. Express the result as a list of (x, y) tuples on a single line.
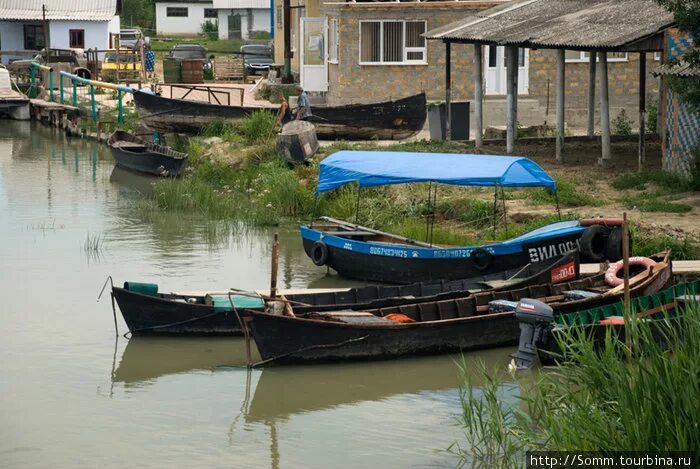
[(378, 168)]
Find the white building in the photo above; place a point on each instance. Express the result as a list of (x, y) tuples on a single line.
[(80, 24), (235, 19)]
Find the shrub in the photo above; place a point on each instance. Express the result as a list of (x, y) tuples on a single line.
[(622, 124), (211, 30)]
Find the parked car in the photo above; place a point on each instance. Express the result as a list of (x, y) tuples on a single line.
[(74, 57), (257, 57), (190, 51), (129, 37)]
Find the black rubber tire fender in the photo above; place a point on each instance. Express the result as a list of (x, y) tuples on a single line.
[(613, 246), (482, 258), (319, 253), (594, 242)]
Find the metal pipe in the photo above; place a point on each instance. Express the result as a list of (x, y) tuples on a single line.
[(120, 109), (604, 110), (75, 94), (642, 107), (93, 105), (478, 95), (51, 85), (287, 40), (357, 209), (98, 84), (495, 205), (60, 86), (591, 92), (448, 90), (561, 96), (505, 214), (511, 125)]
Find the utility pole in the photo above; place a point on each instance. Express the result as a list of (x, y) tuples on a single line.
[(287, 42), (46, 32)]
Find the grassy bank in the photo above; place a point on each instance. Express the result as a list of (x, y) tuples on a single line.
[(236, 172), (595, 401)]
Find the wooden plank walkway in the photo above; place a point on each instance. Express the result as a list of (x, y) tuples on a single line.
[(50, 105)]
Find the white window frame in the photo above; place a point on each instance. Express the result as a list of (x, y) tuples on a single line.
[(657, 56), (406, 49), (584, 58), (333, 40)]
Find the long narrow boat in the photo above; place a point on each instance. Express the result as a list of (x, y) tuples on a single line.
[(597, 322), (359, 252), (147, 312), (481, 320), (136, 154), (385, 120)]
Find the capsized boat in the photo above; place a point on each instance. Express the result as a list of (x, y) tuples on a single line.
[(360, 252), (148, 312), (481, 320), (136, 154)]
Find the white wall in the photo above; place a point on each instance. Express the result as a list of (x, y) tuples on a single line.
[(11, 38), (260, 21), (96, 33), (192, 24)]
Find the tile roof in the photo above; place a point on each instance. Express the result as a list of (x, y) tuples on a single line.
[(81, 10)]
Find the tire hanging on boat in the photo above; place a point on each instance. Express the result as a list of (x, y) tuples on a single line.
[(319, 253), (482, 258), (613, 246), (594, 242)]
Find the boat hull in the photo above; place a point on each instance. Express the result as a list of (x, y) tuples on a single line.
[(379, 262), (387, 120), (156, 315), (150, 163), (293, 340)]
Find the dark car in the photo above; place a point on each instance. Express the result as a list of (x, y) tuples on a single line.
[(257, 57), (190, 51)]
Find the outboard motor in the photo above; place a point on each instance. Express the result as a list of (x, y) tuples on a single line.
[(535, 319)]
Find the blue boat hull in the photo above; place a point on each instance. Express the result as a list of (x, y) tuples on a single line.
[(403, 263)]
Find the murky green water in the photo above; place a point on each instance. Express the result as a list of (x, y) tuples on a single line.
[(71, 395)]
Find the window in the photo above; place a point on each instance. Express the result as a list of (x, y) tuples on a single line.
[(583, 56), (76, 38), (333, 41), (176, 12), (657, 56), (33, 37), (392, 42), (210, 13)]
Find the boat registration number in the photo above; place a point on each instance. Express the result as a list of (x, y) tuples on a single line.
[(564, 272)]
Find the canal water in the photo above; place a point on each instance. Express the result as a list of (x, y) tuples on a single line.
[(73, 395)]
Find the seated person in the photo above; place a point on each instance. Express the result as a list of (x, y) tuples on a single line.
[(284, 114)]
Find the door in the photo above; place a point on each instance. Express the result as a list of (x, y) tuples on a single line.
[(495, 73), (314, 75), (234, 26)]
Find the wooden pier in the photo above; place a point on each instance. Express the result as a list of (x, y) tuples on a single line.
[(53, 113)]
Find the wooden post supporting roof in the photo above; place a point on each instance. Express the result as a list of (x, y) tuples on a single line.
[(448, 90), (604, 110), (642, 107), (591, 93), (511, 118), (478, 95), (561, 82)]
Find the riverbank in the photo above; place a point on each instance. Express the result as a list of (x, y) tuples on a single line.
[(235, 171)]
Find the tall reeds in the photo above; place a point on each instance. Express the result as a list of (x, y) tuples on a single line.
[(600, 399)]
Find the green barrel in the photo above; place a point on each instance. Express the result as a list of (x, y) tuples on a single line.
[(144, 288), (172, 71)]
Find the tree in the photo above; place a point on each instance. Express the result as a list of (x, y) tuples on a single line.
[(687, 16), (139, 13)]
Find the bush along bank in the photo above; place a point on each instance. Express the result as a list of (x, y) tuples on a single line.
[(235, 172)]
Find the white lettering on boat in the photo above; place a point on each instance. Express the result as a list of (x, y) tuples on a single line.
[(347, 246), (393, 252), (542, 253)]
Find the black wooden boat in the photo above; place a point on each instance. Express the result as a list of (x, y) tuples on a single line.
[(136, 154), (386, 120), (147, 312), (481, 320)]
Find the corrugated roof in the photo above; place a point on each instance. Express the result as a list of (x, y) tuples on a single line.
[(238, 4), (83, 10), (571, 24), (682, 70)]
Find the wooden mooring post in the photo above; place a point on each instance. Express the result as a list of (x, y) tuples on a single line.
[(275, 267)]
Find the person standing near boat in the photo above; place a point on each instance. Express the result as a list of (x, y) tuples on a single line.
[(303, 105)]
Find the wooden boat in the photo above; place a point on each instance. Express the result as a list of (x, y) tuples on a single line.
[(136, 154), (360, 252), (481, 320), (297, 142), (596, 323), (147, 312), (386, 120)]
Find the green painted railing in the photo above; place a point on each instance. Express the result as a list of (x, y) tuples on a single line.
[(120, 89)]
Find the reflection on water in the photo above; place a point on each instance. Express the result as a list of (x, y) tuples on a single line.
[(75, 395)]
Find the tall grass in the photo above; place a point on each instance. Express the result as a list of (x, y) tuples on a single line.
[(257, 127), (596, 400), (668, 182), (570, 194), (653, 203)]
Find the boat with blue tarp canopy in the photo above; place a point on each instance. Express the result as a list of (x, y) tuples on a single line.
[(364, 253)]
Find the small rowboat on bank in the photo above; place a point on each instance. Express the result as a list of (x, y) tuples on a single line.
[(147, 312), (481, 320), (136, 154)]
